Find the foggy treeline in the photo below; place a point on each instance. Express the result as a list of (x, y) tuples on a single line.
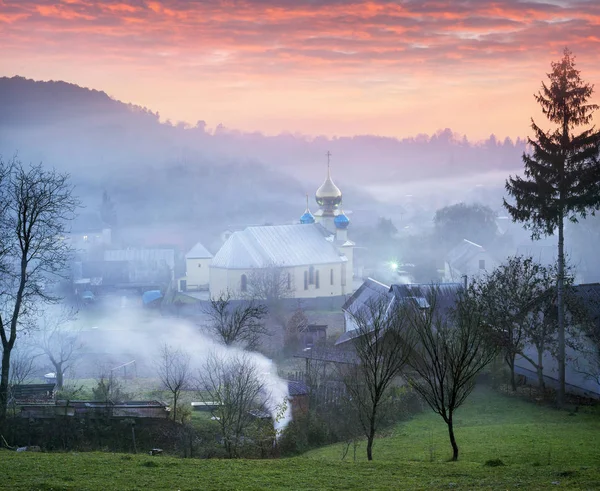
[(199, 181), (132, 153)]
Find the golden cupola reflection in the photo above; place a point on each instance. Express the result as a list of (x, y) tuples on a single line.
[(328, 196)]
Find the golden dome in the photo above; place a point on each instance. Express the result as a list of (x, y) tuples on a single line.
[(328, 196)]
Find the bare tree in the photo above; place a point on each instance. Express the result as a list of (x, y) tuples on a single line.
[(59, 341), (271, 284), (35, 206), (240, 324), (382, 345), (234, 388), (22, 364), (451, 348), (109, 388), (174, 372)]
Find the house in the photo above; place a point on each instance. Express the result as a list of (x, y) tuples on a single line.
[(197, 268), (356, 308), (313, 334), (582, 371), (88, 234), (467, 259), (371, 290), (312, 262)]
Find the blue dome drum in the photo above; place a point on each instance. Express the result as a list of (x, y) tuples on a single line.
[(308, 217), (341, 221)]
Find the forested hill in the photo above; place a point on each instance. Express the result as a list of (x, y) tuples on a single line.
[(159, 171), (155, 172), (28, 102)]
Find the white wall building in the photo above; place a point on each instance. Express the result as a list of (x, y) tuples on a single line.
[(313, 263), (467, 259), (197, 267), (314, 257)]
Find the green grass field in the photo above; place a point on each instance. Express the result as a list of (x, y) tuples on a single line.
[(540, 448)]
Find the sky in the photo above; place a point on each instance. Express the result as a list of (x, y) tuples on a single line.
[(315, 67)]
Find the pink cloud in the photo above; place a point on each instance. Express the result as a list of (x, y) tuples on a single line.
[(292, 46)]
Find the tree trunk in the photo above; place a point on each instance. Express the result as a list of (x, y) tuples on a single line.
[(509, 358), (371, 435), (452, 440), (174, 407), (59, 375), (4, 384), (540, 370), (370, 439), (560, 395), (513, 380), (133, 438)]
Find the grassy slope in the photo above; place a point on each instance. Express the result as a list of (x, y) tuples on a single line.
[(539, 446)]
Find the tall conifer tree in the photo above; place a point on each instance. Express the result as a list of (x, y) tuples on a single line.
[(562, 172)]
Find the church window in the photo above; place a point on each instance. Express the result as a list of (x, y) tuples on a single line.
[(317, 282), (289, 281), (244, 286), (311, 275), (482, 264), (344, 274), (331, 276), (306, 280), (199, 265)]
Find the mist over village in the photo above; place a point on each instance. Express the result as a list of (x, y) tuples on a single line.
[(299, 245)]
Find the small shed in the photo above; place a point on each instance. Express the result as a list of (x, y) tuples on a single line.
[(313, 334), (298, 398), (28, 393)]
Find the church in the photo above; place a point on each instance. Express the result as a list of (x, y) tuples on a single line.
[(309, 259)]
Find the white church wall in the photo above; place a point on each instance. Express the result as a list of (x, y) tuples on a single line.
[(197, 273), (222, 280)]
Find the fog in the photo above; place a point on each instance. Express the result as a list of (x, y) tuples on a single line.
[(109, 339), (160, 172)]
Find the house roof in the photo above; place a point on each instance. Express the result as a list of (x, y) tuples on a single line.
[(369, 292), (198, 252), (421, 293), (279, 245), (142, 255), (460, 256), (334, 355), (296, 388)]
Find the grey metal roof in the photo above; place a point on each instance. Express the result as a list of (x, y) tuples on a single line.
[(446, 294), (279, 245), (198, 252), (141, 255), (370, 290)]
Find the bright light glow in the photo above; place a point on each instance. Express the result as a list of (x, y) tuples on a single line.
[(394, 266)]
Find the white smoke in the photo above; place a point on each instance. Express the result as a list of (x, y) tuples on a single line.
[(138, 335)]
